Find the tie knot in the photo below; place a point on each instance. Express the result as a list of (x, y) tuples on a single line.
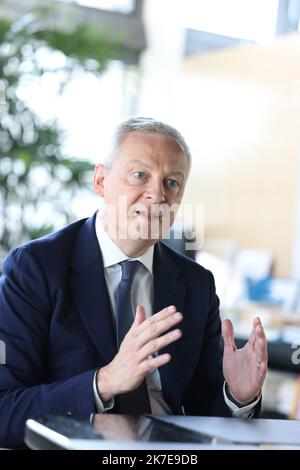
[(129, 269)]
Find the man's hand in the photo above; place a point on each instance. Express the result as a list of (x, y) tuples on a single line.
[(245, 369), (134, 359)]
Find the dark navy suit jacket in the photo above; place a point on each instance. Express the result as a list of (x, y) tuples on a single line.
[(56, 322)]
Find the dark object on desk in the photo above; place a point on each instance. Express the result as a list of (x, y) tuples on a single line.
[(58, 432), (113, 432)]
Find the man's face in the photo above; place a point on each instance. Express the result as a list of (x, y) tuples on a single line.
[(144, 187)]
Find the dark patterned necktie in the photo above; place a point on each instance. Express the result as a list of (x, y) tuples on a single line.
[(137, 401)]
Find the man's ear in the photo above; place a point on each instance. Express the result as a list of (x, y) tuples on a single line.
[(99, 177)]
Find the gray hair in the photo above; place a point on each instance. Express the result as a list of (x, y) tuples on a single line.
[(145, 126)]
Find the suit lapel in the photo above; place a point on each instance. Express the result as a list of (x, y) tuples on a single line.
[(168, 290), (89, 291)]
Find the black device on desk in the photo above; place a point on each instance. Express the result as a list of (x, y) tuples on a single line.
[(124, 432), (68, 432)]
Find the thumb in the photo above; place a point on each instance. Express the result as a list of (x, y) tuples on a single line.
[(228, 336), (140, 315)]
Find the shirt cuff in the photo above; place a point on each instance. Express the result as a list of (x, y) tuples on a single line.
[(240, 411), (100, 405)]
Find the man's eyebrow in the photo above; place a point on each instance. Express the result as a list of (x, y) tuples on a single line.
[(180, 173), (171, 172), (140, 162)]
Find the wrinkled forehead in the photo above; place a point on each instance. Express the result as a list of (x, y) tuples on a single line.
[(153, 149)]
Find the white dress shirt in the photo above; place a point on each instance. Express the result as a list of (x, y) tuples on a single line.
[(142, 294)]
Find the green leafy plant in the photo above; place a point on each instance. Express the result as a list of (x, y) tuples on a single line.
[(35, 174)]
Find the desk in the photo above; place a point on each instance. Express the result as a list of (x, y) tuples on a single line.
[(119, 432)]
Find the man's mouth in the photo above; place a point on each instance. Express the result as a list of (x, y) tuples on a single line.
[(149, 215)]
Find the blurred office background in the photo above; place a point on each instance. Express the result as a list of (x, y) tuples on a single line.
[(226, 73)]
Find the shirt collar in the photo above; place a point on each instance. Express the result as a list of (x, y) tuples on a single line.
[(112, 254)]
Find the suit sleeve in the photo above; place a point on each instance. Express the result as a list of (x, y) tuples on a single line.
[(204, 396), (25, 314)]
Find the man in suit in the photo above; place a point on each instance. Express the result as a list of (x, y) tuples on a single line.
[(102, 316)]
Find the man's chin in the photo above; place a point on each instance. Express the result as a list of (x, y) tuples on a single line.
[(144, 227)]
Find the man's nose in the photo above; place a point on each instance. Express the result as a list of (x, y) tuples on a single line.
[(156, 192)]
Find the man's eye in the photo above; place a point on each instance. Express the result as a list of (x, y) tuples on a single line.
[(173, 184), (139, 175)]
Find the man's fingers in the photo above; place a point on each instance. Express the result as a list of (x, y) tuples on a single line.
[(164, 313), (260, 346), (259, 330), (252, 336), (261, 352), (156, 328), (140, 315), (155, 345), (135, 354), (228, 336), (154, 362)]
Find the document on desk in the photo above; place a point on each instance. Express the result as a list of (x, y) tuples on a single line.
[(241, 431)]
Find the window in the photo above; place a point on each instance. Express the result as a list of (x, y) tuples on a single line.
[(252, 20), (120, 6)]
